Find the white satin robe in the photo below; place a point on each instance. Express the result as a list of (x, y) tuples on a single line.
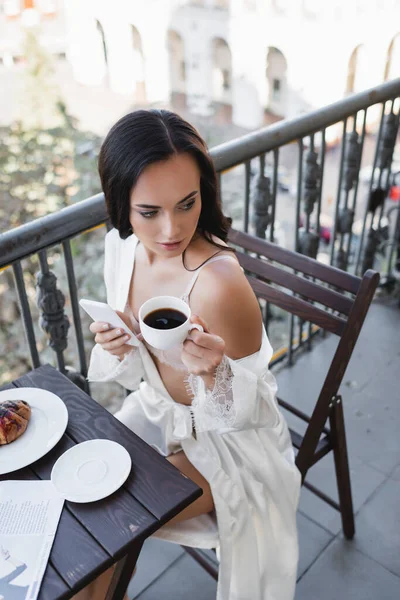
[(249, 463)]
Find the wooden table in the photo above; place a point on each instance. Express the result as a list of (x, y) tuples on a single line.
[(94, 536)]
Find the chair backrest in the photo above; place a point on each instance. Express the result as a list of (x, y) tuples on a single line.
[(332, 299)]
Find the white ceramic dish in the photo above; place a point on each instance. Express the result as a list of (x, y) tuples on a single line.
[(46, 426), (91, 470)]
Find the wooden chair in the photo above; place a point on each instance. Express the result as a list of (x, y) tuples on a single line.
[(336, 302)]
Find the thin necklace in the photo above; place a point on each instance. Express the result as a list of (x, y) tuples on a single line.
[(203, 263)]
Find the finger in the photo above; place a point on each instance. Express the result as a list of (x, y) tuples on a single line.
[(99, 326), (195, 354), (207, 340), (199, 321), (109, 336), (114, 343), (200, 366), (194, 349)]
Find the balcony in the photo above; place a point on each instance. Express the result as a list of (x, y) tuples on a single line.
[(325, 184)]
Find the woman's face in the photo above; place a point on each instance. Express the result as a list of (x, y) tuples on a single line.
[(166, 204)]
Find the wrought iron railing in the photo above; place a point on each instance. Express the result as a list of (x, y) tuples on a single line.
[(264, 194)]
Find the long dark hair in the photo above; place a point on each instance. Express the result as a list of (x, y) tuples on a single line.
[(144, 137)]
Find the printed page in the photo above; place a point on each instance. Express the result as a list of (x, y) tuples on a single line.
[(29, 516)]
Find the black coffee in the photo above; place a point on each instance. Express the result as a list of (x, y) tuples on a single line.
[(165, 318)]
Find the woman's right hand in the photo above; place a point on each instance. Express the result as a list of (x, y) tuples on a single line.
[(111, 339)]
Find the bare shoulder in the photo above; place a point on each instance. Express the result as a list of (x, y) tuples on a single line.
[(201, 250), (223, 297)]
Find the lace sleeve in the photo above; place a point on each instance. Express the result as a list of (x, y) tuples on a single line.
[(105, 367), (240, 399), (217, 409)]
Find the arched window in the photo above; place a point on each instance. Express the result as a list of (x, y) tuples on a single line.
[(102, 41), (392, 67), (276, 75), (222, 71), (358, 72), (138, 66), (177, 65), (138, 60), (351, 71)]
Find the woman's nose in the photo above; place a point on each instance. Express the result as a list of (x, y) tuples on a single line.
[(171, 230)]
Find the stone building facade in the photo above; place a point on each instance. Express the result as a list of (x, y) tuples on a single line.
[(245, 61)]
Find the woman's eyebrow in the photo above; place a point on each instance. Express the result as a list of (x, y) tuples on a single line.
[(180, 201)]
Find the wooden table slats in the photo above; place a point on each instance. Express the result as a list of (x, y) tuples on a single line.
[(86, 556), (93, 536), (53, 586), (159, 488), (117, 525)]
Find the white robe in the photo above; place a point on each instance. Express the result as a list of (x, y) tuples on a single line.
[(248, 460)]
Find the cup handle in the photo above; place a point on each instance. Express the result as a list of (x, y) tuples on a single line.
[(195, 326)]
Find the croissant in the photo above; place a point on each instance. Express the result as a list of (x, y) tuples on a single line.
[(14, 417)]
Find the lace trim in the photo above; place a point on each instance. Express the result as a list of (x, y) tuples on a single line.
[(216, 410)]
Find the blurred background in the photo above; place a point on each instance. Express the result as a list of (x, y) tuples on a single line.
[(70, 68)]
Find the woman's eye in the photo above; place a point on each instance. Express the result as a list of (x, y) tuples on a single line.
[(148, 214), (188, 205)]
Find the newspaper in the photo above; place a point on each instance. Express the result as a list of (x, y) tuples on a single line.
[(29, 516)]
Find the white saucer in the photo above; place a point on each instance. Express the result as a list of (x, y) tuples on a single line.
[(91, 470)]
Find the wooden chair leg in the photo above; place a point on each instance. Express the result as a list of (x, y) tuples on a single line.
[(205, 561), (338, 436), (122, 574)]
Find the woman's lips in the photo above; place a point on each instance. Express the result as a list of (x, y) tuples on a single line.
[(171, 245)]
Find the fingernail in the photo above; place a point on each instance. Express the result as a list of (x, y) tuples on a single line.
[(126, 337), (105, 326), (119, 331)]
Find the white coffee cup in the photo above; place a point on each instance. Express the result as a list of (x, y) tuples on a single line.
[(164, 339)]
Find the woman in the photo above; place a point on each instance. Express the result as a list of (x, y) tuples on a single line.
[(209, 406)]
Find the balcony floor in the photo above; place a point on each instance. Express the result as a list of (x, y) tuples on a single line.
[(330, 566)]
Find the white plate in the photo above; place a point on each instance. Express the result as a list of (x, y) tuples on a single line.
[(46, 426), (91, 470)]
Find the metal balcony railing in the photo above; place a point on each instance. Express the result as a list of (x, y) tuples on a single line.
[(364, 230)]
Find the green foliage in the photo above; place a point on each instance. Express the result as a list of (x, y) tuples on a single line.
[(46, 163), (42, 170), (38, 102)]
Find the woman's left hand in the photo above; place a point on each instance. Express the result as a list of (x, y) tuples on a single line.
[(203, 352)]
